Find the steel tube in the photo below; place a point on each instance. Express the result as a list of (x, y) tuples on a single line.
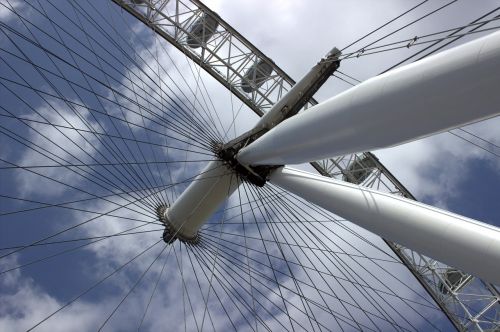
[(201, 199), (455, 240), (443, 91)]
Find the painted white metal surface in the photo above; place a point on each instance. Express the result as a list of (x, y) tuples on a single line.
[(443, 91), (450, 238), (201, 199)]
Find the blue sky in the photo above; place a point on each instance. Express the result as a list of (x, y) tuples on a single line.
[(478, 199), (144, 99)]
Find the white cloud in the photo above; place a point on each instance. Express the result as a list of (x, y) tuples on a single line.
[(7, 8), (433, 168), (23, 303), (74, 147)]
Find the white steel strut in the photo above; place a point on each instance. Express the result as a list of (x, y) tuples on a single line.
[(443, 91), (200, 200), (448, 237)]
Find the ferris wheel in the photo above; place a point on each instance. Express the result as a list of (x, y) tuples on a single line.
[(139, 193)]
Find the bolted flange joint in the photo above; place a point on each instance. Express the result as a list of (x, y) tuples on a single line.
[(170, 234)]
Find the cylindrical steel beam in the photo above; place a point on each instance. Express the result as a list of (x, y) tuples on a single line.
[(452, 239), (443, 91), (200, 200)]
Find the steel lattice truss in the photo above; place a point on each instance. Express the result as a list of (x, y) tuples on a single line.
[(470, 303)]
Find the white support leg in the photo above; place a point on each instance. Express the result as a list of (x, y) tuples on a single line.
[(443, 91), (452, 239), (200, 200)]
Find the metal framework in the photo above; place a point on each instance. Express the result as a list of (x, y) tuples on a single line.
[(470, 303)]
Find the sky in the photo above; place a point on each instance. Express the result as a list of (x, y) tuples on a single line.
[(147, 102)]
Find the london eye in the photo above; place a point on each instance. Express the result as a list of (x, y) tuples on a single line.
[(161, 170)]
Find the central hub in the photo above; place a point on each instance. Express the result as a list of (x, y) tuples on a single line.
[(256, 175)]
